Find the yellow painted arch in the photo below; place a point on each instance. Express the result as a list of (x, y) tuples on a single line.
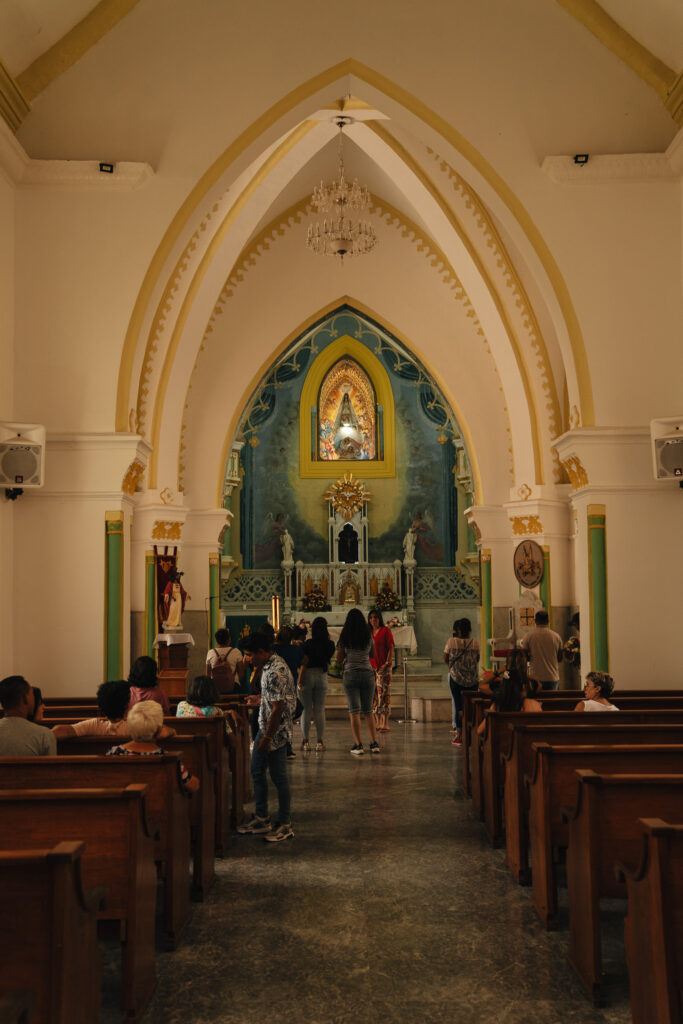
[(439, 125)]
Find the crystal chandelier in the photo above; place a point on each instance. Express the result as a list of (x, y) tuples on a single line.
[(342, 232)]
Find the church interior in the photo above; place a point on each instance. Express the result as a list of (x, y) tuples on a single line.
[(467, 408)]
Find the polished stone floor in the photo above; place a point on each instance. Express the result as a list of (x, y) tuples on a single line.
[(388, 906)]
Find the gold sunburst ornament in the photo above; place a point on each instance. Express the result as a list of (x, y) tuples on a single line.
[(347, 496)]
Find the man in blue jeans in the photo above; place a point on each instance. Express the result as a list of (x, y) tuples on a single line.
[(278, 700)]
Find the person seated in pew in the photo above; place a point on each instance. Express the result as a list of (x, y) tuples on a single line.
[(20, 737), (146, 727), (201, 701), (113, 699), (489, 683), (144, 684), (512, 695), (599, 686)]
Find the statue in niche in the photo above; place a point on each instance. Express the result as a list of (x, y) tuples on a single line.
[(348, 439), (347, 545), (287, 547), (349, 592), (174, 600)]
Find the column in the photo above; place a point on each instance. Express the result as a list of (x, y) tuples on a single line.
[(113, 595), (544, 589), (486, 607), (214, 595), (150, 603), (597, 569)]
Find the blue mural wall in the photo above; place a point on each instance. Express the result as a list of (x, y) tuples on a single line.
[(422, 494)]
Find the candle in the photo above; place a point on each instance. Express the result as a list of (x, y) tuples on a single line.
[(275, 606)]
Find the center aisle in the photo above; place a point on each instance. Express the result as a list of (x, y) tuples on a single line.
[(388, 906)]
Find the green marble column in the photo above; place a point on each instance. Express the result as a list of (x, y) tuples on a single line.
[(214, 595), (150, 603), (113, 595), (486, 608), (597, 573), (545, 584)]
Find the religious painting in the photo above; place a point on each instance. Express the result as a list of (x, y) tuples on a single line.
[(347, 417), (528, 563)]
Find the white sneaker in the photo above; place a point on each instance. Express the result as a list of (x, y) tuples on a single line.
[(319, 747), (280, 833), (306, 747), (357, 750)]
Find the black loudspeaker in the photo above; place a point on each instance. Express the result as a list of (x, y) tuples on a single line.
[(22, 455)]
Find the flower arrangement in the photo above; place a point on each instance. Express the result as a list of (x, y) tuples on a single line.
[(394, 623), (388, 601), (314, 601), (572, 650)]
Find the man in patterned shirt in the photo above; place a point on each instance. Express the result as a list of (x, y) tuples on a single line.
[(278, 700)]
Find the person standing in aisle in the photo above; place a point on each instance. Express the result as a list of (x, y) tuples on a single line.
[(355, 648)]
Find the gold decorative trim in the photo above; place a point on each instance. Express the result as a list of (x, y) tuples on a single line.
[(651, 69), (524, 525), (521, 299), (166, 530), (418, 109), (133, 477), (71, 47), (574, 418), (674, 100), (482, 270), (240, 202), (13, 103), (578, 477), (347, 496), (524, 492)]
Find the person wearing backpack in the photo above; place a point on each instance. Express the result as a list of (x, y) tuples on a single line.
[(224, 663), (462, 657)]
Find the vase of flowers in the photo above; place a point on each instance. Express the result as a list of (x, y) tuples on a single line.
[(572, 651)]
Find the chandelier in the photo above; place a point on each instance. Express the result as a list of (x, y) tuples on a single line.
[(342, 232)]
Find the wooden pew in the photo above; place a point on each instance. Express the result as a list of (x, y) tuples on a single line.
[(119, 854), (194, 751), (552, 785), (16, 1007), (519, 760), (51, 945), (469, 724), (603, 829), (496, 739), (654, 925), (167, 804), (219, 754)]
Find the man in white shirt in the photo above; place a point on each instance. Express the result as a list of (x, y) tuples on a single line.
[(543, 647), (18, 736), (223, 648)]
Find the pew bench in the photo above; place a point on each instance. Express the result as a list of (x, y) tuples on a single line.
[(552, 785), (51, 947), (118, 854), (604, 830), (653, 928), (519, 761), (167, 804)]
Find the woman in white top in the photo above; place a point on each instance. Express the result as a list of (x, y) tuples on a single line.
[(598, 688)]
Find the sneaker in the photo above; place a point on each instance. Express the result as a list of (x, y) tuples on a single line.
[(290, 754), (280, 833), (457, 740), (319, 747), (374, 748), (254, 826), (306, 747), (357, 749)]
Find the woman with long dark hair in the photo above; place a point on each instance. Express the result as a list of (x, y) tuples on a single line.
[(312, 682), (461, 654), (356, 648), (512, 695)]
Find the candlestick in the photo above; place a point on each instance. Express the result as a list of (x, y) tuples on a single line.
[(275, 608)]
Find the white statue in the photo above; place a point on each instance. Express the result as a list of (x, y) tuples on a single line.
[(409, 545), (287, 546)]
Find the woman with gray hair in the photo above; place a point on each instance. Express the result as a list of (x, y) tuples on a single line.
[(146, 726), (599, 686)]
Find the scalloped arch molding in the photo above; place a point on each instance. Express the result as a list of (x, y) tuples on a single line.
[(159, 332)]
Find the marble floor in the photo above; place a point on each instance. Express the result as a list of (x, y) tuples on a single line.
[(388, 906)]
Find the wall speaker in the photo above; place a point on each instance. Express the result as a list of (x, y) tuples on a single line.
[(667, 448), (22, 455)]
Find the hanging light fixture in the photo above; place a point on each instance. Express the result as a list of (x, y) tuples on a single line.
[(342, 232)]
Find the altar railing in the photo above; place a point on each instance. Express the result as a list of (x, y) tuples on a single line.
[(253, 586)]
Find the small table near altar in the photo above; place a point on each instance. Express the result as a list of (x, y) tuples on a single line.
[(173, 651)]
